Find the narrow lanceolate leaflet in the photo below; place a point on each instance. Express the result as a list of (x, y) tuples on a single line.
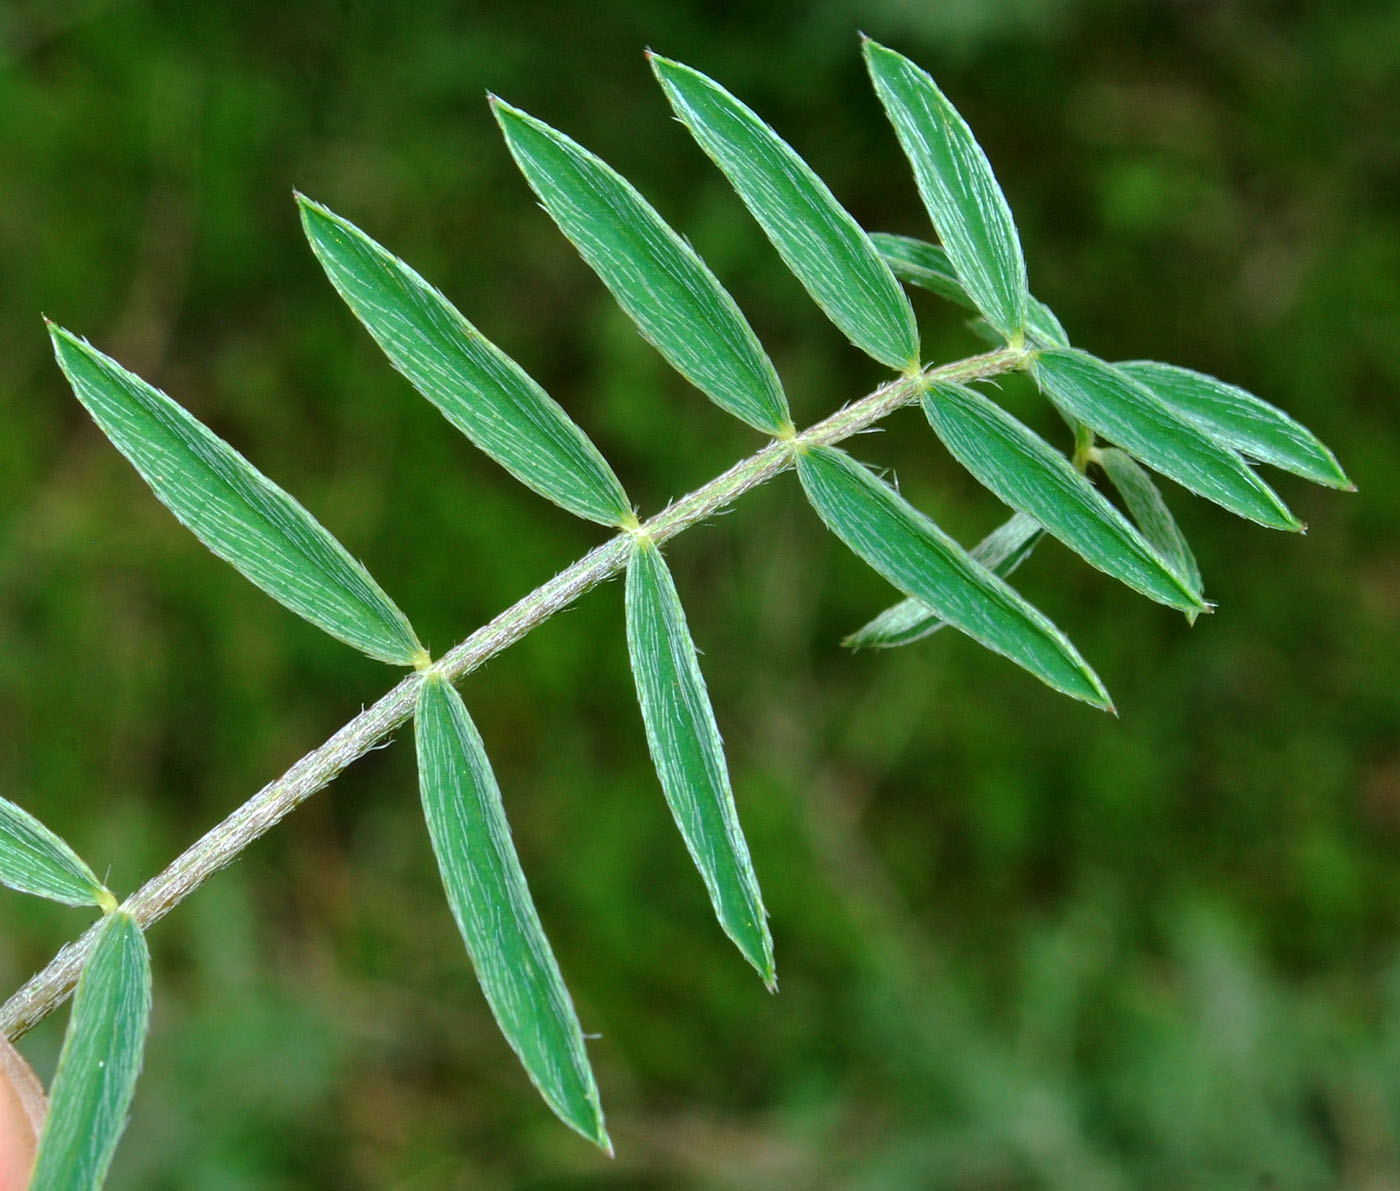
[(816, 237), (491, 902), (909, 550), (478, 388), (688, 754), (234, 509)]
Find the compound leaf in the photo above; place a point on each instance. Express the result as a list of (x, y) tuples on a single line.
[(1146, 507), (816, 237), (99, 1063), (688, 754), (35, 860), (958, 187), (1001, 552), (1241, 420), (910, 551), (1127, 413), (234, 509), (1022, 469), (478, 388), (656, 277), (491, 902)]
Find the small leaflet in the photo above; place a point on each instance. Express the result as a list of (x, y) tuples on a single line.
[(1125, 412), (99, 1063), (1022, 470), (689, 755), (234, 509), (666, 289), (35, 860), (909, 550), (491, 902), (814, 234), (1146, 507), (956, 182), (475, 385)]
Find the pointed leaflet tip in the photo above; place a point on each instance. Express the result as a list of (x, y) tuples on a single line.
[(657, 278), (490, 900), (818, 240), (686, 749), (235, 510), (475, 385), (1123, 410), (1241, 420), (1147, 508), (959, 190), (915, 555)]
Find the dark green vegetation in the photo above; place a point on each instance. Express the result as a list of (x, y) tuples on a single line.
[(1017, 942)]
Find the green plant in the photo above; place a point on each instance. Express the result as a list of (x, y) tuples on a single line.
[(1190, 428)]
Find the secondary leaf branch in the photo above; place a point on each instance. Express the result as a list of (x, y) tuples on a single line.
[(45, 991)]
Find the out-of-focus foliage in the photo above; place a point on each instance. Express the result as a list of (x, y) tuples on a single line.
[(1019, 943)]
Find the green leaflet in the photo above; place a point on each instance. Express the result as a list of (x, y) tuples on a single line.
[(234, 509), (99, 1063), (1146, 507), (958, 187), (816, 237), (656, 277), (34, 860), (1021, 468), (480, 390), (688, 754), (910, 551), (917, 262), (488, 895), (1241, 420), (1126, 413), (1001, 552), (1042, 325)]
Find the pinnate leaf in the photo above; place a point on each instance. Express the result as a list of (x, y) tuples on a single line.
[(99, 1063), (478, 388), (1023, 470), (1001, 552), (956, 182), (234, 509), (1241, 420), (1125, 412), (909, 550), (689, 755), (656, 277), (1146, 507), (491, 902), (35, 860), (814, 234)]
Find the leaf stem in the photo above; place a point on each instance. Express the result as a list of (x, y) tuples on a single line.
[(48, 989)]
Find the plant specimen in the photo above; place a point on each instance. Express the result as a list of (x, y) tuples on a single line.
[(1125, 420)]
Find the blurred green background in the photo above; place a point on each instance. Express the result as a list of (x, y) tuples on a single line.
[(1020, 944)]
